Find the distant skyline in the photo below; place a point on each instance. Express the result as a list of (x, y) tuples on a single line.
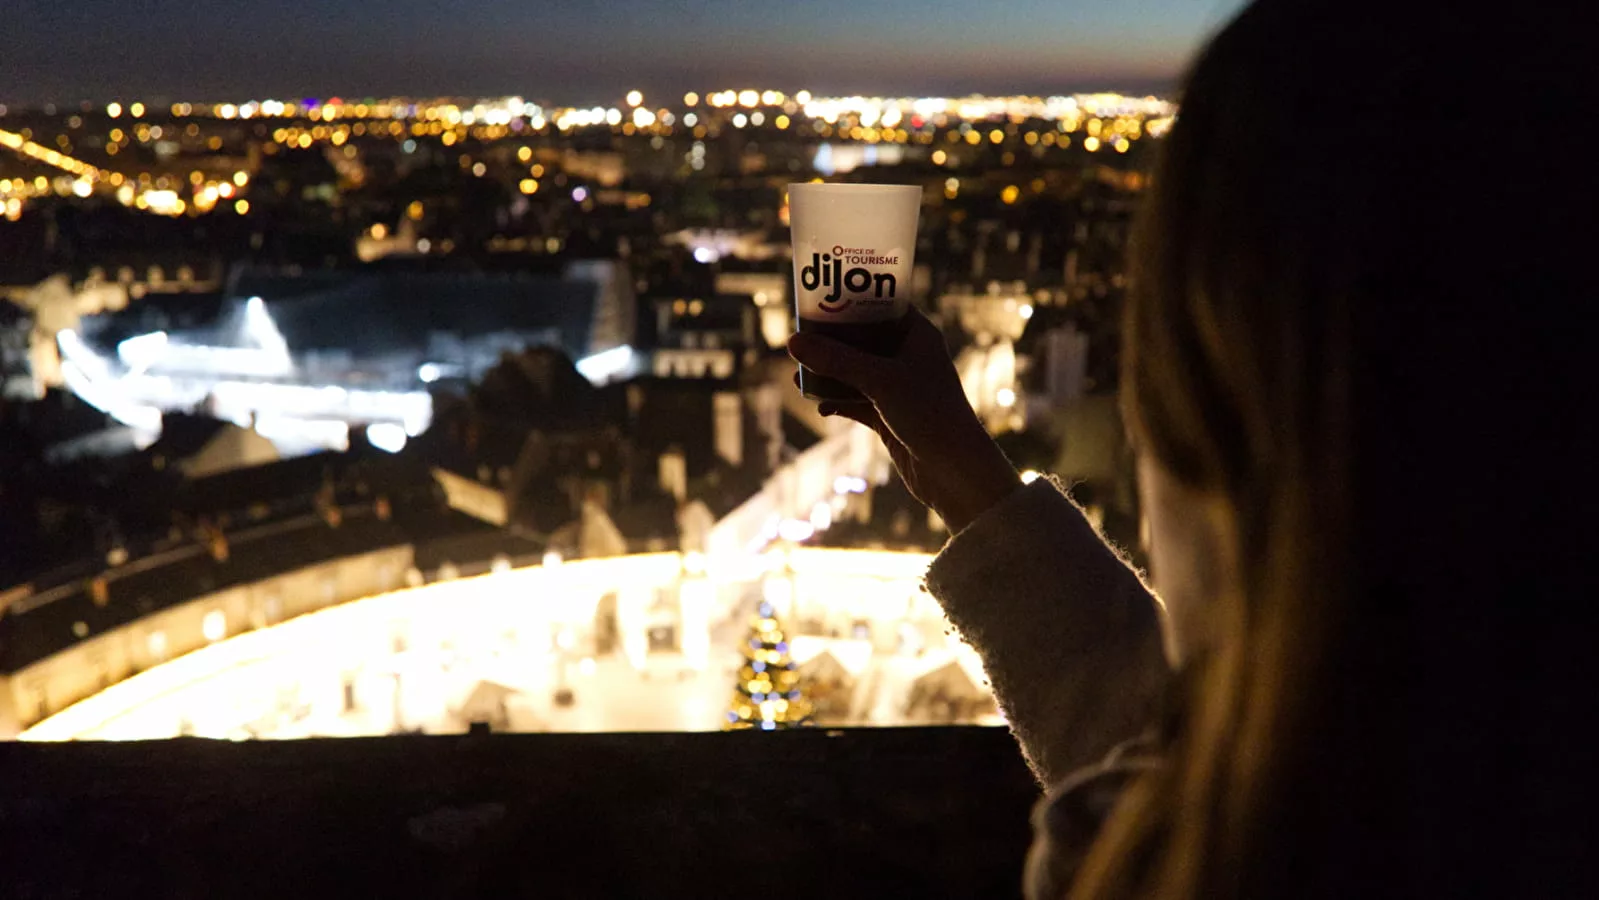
[(590, 51)]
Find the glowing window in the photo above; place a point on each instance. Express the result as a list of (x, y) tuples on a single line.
[(214, 626)]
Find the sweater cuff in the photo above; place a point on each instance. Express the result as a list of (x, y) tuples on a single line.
[(1020, 527)]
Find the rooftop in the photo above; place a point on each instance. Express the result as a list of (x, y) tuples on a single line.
[(363, 312)]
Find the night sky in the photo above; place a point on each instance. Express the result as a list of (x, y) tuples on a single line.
[(589, 51)]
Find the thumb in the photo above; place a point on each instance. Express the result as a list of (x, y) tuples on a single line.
[(864, 371)]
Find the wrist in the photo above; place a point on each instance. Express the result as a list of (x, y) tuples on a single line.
[(991, 479)]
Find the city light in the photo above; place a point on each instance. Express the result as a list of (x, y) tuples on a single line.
[(846, 484), (164, 202), (140, 351), (1112, 121), (220, 685), (694, 562), (607, 365), (386, 436), (795, 530), (214, 626), (380, 176), (83, 372)]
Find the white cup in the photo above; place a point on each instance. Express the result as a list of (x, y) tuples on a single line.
[(854, 251)]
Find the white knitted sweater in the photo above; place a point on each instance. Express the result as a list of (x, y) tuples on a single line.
[(1071, 640)]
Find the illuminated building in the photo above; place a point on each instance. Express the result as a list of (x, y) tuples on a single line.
[(474, 217), (346, 349), (350, 658)]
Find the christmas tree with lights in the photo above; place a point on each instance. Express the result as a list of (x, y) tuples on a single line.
[(768, 696)]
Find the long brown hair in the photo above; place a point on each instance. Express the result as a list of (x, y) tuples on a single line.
[(1320, 285)]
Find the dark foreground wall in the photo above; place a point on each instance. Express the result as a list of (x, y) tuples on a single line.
[(909, 812)]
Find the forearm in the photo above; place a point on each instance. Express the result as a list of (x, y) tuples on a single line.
[(1069, 635), (982, 478)]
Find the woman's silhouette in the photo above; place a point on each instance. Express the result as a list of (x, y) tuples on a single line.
[(1358, 377)]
